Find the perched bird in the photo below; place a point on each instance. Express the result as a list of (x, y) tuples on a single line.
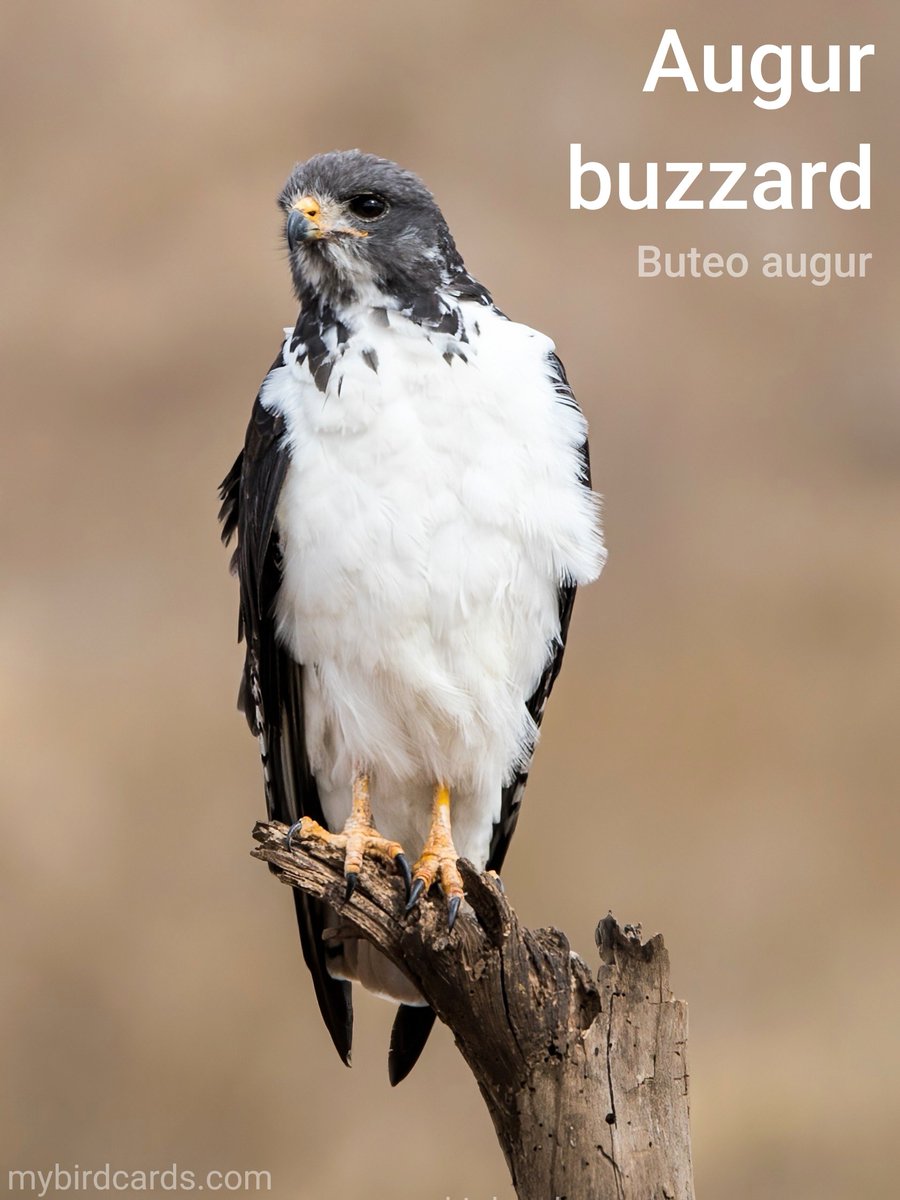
[(413, 513)]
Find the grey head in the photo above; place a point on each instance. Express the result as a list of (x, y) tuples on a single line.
[(362, 229)]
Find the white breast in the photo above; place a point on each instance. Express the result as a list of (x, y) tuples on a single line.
[(430, 511)]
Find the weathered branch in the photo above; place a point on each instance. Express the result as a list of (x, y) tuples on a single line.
[(586, 1080)]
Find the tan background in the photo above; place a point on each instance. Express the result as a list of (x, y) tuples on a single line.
[(720, 760)]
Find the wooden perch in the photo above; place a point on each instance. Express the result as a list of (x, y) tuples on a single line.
[(585, 1079)]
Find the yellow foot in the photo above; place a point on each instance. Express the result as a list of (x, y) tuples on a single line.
[(437, 862), (358, 838)]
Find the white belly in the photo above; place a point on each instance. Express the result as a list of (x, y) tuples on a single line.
[(428, 516)]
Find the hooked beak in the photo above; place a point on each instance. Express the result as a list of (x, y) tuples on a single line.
[(299, 229), (307, 223), (304, 223)]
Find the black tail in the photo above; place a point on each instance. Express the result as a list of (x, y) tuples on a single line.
[(412, 1026), (333, 995)]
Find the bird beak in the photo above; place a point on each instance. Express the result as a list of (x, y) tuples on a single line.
[(304, 223)]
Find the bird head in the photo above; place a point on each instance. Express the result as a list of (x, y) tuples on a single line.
[(362, 229)]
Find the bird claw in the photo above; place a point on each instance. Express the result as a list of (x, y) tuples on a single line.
[(439, 868), (402, 864), (415, 891), (356, 841), (289, 836)]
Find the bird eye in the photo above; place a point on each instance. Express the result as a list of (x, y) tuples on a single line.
[(368, 206)]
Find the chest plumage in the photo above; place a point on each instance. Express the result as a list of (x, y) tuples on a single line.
[(432, 507)]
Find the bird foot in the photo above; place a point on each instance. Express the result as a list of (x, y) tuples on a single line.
[(356, 840), (437, 864)]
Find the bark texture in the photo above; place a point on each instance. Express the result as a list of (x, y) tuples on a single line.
[(585, 1076)]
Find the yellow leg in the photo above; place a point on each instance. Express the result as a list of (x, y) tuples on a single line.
[(437, 862), (358, 838)]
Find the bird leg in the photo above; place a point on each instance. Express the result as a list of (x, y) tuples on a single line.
[(358, 838), (437, 862)]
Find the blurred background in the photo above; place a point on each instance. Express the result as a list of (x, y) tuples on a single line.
[(720, 760)]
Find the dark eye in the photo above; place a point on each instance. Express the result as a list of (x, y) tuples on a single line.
[(368, 206)]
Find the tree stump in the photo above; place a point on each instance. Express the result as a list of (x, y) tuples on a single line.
[(585, 1078)]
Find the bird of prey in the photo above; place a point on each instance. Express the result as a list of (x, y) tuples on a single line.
[(413, 513)]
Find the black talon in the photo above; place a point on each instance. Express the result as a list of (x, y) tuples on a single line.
[(289, 836), (452, 911), (402, 864), (352, 878), (415, 892)]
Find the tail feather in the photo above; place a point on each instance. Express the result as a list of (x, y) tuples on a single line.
[(412, 1025)]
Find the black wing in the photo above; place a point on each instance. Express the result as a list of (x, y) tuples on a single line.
[(271, 692), (513, 792)]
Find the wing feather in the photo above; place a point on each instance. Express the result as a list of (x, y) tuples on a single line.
[(514, 791), (271, 692)]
